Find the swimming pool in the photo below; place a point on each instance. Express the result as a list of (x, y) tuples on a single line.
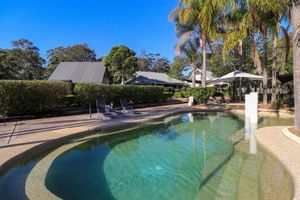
[(188, 156)]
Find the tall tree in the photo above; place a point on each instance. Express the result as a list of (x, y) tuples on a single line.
[(295, 19), (75, 53), (28, 58), (277, 28), (189, 50), (153, 62), (202, 16), (121, 63), (179, 65), (9, 67), (269, 13)]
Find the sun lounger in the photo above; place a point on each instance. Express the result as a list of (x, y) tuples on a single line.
[(125, 107), (106, 111)]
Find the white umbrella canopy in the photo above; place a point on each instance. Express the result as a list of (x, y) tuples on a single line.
[(237, 74)]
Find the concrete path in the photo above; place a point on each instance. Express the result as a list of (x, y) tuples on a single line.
[(285, 150), (32, 133)]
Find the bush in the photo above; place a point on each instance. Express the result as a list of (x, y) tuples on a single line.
[(170, 90), (201, 95), (288, 101), (28, 97), (88, 93), (180, 95)]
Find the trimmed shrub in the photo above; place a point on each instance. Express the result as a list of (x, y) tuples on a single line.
[(88, 93), (28, 97), (201, 95), (168, 95), (170, 90), (181, 95)]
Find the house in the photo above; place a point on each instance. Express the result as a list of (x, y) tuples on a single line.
[(198, 76), (80, 72), (154, 78)]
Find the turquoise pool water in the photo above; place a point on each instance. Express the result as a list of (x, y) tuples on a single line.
[(189, 156)]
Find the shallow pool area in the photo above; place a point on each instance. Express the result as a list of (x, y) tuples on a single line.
[(188, 156)]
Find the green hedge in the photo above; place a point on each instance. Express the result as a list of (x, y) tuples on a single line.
[(31, 97), (88, 93), (181, 95), (201, 95), (28, 97)]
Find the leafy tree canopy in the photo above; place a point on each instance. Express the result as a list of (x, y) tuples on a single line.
[(21, 62), (75, 53), (121, 64), (153, 63)]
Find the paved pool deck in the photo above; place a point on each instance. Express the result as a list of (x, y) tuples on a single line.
[(29, 135), (285, 150)]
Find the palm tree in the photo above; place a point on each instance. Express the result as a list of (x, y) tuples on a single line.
[(269, 15), (235, 31), (189, 51), (295, 19), (202, 16), (277, 28)]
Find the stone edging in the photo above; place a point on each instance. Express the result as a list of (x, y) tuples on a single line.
[(290, 135), (275, 142)]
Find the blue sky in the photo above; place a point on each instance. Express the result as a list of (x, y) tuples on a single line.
[(141, 25)]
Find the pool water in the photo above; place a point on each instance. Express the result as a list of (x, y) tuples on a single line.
[(189, 156)]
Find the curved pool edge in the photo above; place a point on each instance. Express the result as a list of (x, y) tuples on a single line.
[(33, 187), (35, 190), (285, 150), (85, 131), (150, 118)]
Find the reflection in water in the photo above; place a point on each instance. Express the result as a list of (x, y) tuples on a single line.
[(191, 117), (250, 130), (185, 152)]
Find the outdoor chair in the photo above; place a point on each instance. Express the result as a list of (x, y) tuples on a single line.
[(125, 107), (106, 111)]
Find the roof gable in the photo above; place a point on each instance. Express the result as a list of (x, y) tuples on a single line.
[(79, 72), (155, 78)]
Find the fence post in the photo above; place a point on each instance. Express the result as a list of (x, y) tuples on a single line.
[(90, 110)]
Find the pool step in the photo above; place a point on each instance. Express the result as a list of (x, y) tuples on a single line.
[(238, 136), (224, 182), (248, 187), (230, 178)]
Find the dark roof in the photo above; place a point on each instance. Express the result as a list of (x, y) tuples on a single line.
[(155, 78), (79, 72)]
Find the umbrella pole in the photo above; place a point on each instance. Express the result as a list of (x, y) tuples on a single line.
[(240, 90), (233, 92)]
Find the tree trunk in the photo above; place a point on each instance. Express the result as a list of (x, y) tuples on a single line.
[(241, 69), (122, 80), (265, 68), (274, 69), (204, 61), (295, 15), (193, 75)]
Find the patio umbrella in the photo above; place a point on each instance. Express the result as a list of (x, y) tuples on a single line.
[(236, 75)]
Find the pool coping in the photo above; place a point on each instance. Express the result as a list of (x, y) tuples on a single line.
[(45, 146), (85, 131), (286, 132), (284, 149), (35, 190)]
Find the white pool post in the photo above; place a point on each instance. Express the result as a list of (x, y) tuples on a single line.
[(191, 101), (247, 116), (251, 120), (254, 108), (251, 107)]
